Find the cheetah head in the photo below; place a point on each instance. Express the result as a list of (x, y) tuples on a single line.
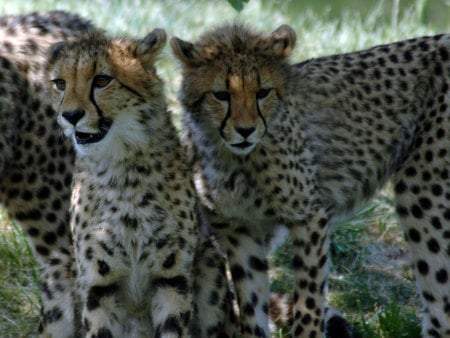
[(233, 81), (102, 87)]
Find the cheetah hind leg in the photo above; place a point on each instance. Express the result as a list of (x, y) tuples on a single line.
[(281, 317)]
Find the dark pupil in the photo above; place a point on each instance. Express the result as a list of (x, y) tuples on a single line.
[(222, 95), (262, 93)]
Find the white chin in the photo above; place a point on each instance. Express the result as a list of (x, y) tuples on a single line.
[(241, 151)]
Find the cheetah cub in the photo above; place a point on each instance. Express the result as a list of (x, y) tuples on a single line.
[(303, 144), (133, 213)]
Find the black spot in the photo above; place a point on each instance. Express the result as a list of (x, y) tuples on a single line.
[(129, 221), (258, 264), (414, 235), (237, 272), (297, 262), (436, 190), (402, 211), (423, 267), (103, 267), (179, 283), (170, 261), (310, 303), (425, 203), (306, 319), (428, 296), (433, 245), (96, 293), (52, 315), (416, 211), (400, 187), (410, 171), (50, 238), (249, 310), (43, 193), (442, 276), (313, 272), (213, 298), (436, 222), (447, 214), (42, 250), (104, 333), (171, 325)]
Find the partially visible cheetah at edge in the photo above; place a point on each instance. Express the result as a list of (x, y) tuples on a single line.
[(35, 162), (302, 145)]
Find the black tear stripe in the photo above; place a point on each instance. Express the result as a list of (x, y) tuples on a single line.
[(91, 96), (261, 116), (258, 80), (228, 114)]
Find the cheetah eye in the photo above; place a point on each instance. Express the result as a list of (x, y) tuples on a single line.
[(262, 93), (60, 84), (101, 81), (222, 95)]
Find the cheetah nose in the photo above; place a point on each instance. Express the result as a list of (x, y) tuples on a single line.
[(73, 116), (245, 132)]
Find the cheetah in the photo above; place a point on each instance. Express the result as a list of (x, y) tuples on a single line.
[(36, 169), (134, 217), (35, 162), (302, 145)]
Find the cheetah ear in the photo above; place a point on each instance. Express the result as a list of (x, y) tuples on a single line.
[(150, 46), (283, 40), (54, 51), (184, 51)]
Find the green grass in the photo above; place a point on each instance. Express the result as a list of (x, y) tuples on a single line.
[(367, 249)]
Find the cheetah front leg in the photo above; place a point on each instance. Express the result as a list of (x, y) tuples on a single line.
[(57, 312), (310, 267), (171, 306), (101, 314), (213, 298), (247, 257)]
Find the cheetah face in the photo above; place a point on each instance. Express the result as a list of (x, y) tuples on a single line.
[(86, 124), (241, 105), (105, 89), (234, 82)]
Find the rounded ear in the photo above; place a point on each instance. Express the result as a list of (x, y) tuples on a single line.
[(184, 51), (150, 46), (283, 40)]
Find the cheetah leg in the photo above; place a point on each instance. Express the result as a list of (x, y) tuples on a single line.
[(248, 264), (310, 268), (171, 306), (57, 312), (422, 198), (213, 298), (101, 311), (98, 289)]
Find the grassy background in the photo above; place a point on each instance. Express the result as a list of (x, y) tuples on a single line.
[(371, 280)]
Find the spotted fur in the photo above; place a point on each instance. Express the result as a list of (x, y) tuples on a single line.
[(35, 163), (302, 145), (133, 214)]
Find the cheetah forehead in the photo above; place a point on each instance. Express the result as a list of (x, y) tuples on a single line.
[(237, 43)]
